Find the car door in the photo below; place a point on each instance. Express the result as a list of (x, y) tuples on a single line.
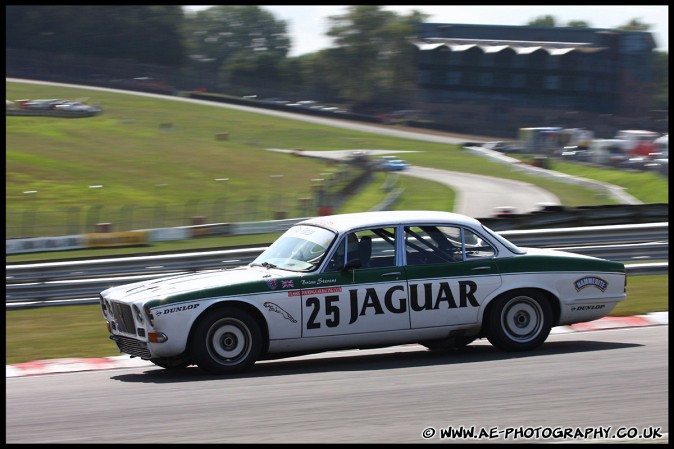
[(450, 271), (362, 290)]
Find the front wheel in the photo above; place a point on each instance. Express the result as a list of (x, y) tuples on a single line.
[(519, 321), (227, 341)]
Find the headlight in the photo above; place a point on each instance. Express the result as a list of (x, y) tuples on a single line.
[(104, 307), (148, 314), (136, 311)]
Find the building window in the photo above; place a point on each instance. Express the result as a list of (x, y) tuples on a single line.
[(518, 80), (603, 85), (454, 58), (520, 60), (553, 62), (454, 78), (485, 79), (502, 78), (582, 83), (552, 82)]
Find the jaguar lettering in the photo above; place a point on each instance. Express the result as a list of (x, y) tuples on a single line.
[(444, 294), (397, 305)]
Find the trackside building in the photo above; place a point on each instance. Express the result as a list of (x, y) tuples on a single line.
[(524, 76)]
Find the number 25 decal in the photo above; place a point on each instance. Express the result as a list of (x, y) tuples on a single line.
[(331, 312)]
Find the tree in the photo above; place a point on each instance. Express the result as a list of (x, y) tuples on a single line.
[(578, 24), (372, 61), (147, 34), (634, 25), (238, 44), (543, 21), (220, 32), (661, 71)]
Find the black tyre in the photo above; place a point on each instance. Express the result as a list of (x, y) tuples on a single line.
[(449, 343), (519, 321), (172, 362), (227, 341)]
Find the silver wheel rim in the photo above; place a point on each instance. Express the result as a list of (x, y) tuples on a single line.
[(229, 341), (522, 319)]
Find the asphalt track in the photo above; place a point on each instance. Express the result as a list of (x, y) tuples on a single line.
[(476, 195), (68, 365), (588, 382)]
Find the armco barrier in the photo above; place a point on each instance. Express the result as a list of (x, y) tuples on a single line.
[(551, 217), (559, 216), (263, 227), (213, 230), (109, 239), (59, 283), (43, 244), (168, 234)]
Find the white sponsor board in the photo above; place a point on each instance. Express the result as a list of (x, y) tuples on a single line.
[(40, 244)]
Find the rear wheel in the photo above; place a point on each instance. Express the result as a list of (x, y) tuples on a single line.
[(519, 321), (227, 341)]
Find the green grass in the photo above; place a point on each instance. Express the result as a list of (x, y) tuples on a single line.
[(143, 164), (79, 331), (141, 161)]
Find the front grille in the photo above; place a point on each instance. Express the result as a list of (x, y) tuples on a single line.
[(132, 346), (123, 317)]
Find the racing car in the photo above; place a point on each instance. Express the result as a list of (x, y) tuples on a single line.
[(362, 280)]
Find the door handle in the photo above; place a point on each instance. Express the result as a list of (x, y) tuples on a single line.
[(482, 268)]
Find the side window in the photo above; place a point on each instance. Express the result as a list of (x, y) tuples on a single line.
[(476, 247), (431, 244), (373, 248), (376, 247), (443, 244)]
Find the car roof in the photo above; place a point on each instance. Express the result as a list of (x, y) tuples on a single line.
[(345, 222)]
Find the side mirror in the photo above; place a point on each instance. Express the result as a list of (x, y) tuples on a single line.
[(352, 264)]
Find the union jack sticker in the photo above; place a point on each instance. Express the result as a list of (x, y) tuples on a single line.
[(287, 284)]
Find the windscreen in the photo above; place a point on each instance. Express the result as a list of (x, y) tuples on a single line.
[(300, 248)]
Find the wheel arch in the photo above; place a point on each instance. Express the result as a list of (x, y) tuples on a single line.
[(242, 305)]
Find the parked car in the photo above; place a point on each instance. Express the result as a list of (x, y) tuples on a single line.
[(637, 142), (76, 106), (661, 148), (39, 104), (495, 146), (573, 153), (607, 152), (362, 280)]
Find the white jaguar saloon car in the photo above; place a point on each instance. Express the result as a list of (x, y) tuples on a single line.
[(371, 279)]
